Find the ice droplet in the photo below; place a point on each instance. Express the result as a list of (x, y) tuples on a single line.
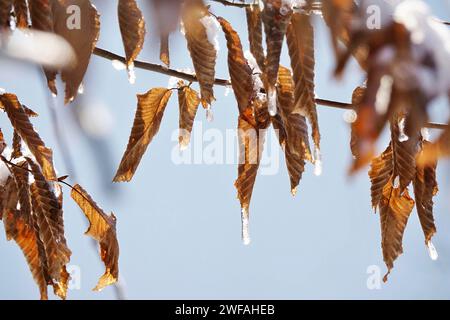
[(432, 252), (245, 227), (317, 162), (81, 89), (401, 125), (272, 97), (396, 183), (350, 116), (294, 191), (209, 114), (131, 74), (118, 65)]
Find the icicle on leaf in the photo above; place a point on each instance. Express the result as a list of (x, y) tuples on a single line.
[(102, 228), (82, 32), (300, 39), (203, 52), (395, 208), (21, 13), (255, 36), (188, 100), (251, 142), (425, 188), (49, 217), (275, 16), (132, 29), (21, 123), (149, 113)]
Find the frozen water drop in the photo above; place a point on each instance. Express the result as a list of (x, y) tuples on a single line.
[(118, 65), (245, 227), (81, 89), (294, 191), (432, 252), (350, 116), (317, 162), (209, 114), (401, 125), (131, 74), (272, 102), (396, 183)]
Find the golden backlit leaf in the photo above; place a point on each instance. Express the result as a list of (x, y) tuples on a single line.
[(102, 228), (132, 28), (255, 33), (300, 40), (380, 173), (21, 123), (21, 13), (203, 53), (149, 113), (251, 143), (395, 208), (425, 188), (276, 16), (49, 217), (240, 71), (5, 13), (81, 29), (188, 100), (297, 143), (41, 14)]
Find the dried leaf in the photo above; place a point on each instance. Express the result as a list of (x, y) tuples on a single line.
[(425, 188), (240, 71), (21, 13), (297, 144), (300, 39), (42, 19), (395, 208), (132, 28), (275, 16), (17, 146), (81, 29), (102, 228), (2, 142), (380, 173), (5, 13), (188, 100), (279, 128), (149, 113), (255, 37), (433, 151), (357, 97), (203, 53), (8, 200), (21, 123), (251, 142), (49, 217)]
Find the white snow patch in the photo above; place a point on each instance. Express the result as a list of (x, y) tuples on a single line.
[(212, 27)]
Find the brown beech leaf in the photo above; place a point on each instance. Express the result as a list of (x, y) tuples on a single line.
[(240, 71), (81, 29), (41, 14), (188, 100), (203, 53), (23, 228), (395, 208), (17, 146), (433, 151), (251, 142), (275, 16), (5, 13), (149, 113), (300, 39), (297, 144), (357, 97), (2, 142), (21, 123), (9, 199), (380, 173), (279, 128), (21, 13), (102, 228), (132, 28), (255, 33), (425, 188), (49, 217)]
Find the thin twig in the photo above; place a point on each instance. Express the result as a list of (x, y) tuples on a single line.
[(233, 4), (223, 82)]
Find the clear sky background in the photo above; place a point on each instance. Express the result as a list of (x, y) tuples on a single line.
[(179, 225)]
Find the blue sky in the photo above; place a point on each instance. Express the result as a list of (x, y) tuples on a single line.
[(179, 225)]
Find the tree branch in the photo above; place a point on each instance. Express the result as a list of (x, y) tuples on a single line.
[(222, 82)]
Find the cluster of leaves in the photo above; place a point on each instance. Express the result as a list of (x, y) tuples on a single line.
[(31, 207)]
